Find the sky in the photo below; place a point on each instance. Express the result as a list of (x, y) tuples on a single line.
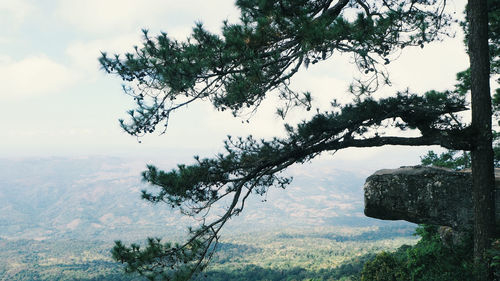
[(56, 101)]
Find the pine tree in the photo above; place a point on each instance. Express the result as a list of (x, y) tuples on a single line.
[(483, 178), (257, 57), (482, 30)]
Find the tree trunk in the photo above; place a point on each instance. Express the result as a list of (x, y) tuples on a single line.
[(483, 178)]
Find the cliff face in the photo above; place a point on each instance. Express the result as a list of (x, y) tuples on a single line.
[(424, 195)]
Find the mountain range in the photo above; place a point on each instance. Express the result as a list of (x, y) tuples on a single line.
[(99, 198)]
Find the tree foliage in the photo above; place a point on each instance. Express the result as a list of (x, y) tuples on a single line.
[(429, 259), (260, 54), (384, 267), (257, 57)]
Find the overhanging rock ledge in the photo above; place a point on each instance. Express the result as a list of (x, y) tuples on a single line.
[(420, 194)]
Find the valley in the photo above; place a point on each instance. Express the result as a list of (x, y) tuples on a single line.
[(60, 216)]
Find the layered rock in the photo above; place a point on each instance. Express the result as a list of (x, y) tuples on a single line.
[(423, 195)]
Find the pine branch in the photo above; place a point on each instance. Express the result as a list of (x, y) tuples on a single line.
[(251, 166), (237, 70)]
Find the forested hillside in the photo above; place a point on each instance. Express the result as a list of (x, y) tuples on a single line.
[(330, 253)]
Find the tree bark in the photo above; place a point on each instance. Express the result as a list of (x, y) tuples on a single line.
[(483, 179)]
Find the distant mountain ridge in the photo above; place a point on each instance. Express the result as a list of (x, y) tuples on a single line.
[(99, 198)]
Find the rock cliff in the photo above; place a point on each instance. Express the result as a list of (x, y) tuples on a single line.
[(423, 195)]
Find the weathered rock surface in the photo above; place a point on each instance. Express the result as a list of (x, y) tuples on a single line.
[(423, 195)]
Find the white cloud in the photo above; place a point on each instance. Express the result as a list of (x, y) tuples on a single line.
[(433, 67), (84, 55), (48, 133), (98, 16), (5, 40), (32, 76), (14, 11)]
